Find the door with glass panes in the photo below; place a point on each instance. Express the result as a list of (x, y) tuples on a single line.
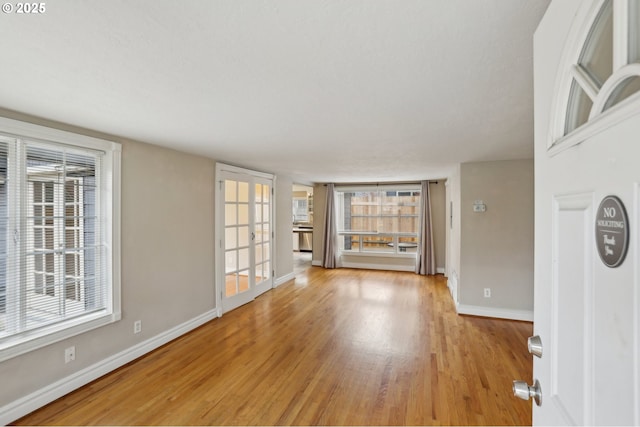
[(245, 238)]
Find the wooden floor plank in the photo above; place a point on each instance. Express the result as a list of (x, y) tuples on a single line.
[(333, 347)]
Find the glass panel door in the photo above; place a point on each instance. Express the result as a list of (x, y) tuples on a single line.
[(263, 234), (245, 204), (237, 243)]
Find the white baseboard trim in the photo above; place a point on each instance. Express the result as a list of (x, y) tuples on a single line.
[(500, 313), (284, 279), (440, 270), (316, 263), (387, 267), (29, 403)]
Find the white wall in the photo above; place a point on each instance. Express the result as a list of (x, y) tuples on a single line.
[(284, 228), (496, 246)]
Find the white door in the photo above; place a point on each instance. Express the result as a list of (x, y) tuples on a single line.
[(245, 236), (586, 307), (263, 232), (584, 310)]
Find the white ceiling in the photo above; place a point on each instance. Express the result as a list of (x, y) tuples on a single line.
[(320, 90)]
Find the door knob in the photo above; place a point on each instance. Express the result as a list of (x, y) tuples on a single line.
[(535, 345), (525, 392)]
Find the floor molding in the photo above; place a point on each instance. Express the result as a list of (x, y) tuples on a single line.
[(284, 279), (500, 313), (29, 403)]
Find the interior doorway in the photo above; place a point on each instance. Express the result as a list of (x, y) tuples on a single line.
[(303, 226)]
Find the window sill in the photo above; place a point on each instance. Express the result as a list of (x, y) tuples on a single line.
[(33, 340), (380, 254)]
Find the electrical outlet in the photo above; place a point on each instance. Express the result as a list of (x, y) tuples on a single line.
[(487, 292), (70, 354), (137, 326)]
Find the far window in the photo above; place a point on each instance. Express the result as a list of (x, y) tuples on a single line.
[(378, 221)]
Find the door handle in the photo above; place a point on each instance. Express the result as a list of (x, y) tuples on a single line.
[(253, 236), (525, 392), (535, 345)]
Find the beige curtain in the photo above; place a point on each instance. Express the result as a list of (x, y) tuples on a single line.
[(426, 259), (330, 234)]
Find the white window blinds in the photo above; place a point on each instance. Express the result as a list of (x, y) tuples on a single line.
[(52, 252)]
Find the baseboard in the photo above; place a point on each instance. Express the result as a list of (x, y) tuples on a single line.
[(500, 313), (29, 403), (284, 279), (440, 270), (386, 267), (316, 263)]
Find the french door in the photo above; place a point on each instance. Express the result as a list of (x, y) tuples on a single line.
[(245, 235)]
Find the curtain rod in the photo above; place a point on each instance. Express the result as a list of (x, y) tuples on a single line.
[(380, 183)]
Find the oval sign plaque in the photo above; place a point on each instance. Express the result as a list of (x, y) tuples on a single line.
[(612, 231)]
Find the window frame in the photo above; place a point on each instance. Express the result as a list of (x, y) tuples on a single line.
[(395, 250), (110, 208), (623, 50)]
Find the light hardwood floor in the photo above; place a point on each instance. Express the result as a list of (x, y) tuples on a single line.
[(335, 347)]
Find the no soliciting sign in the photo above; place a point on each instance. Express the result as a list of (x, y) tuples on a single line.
[(612, 231)]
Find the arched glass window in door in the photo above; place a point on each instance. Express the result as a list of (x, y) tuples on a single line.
[(604, 73)]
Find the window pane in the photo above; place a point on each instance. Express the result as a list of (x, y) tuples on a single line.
[(408, 244), (597, 54), (266, 269), (243, 236), (4, 232), (258, 193), (258, 209), (578, 108), (243, 259), (624, 90), (243, 192), (230, 240), (378, 212), (231, 284), (230, 214), (231, 261), (243, 281), (378, 243), (258, 254), (266, 234), (230, 191), (243, 214), (350, 243)]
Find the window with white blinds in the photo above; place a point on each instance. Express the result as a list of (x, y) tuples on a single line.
[(56, 228)]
